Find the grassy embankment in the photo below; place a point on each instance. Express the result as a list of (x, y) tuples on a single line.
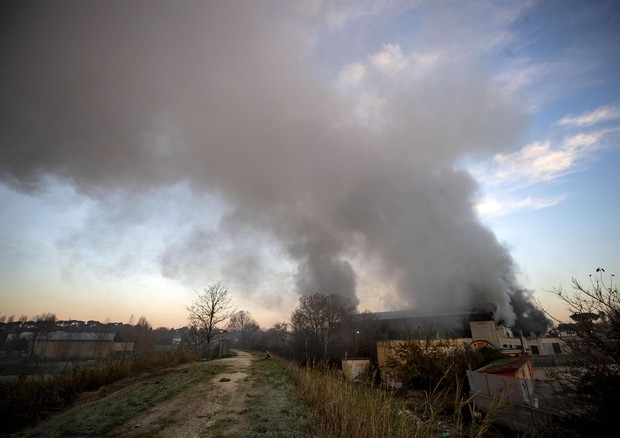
[(272, 406), (276, 399), (26, 401), (353, 409)]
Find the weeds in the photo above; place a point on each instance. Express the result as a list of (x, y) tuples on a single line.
[(354, 409), (272, 407), (26, 401)]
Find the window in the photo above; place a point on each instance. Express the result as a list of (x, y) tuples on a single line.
[(556, 348), (535, 349)]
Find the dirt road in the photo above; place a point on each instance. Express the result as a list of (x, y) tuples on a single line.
[(194, 412), (241, 396)]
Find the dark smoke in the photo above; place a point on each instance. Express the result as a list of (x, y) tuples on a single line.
[(130, 98), (530, 318), (327, 276)]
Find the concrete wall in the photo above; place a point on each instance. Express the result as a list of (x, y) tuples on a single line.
[(73, 349), (484, 330), (355, 369)]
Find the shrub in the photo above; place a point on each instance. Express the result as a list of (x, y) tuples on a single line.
[(427, 364), (353, 409)]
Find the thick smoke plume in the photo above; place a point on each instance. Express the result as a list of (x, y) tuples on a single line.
[(134, 97)]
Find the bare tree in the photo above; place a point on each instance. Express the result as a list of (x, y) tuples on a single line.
[(593, 383), (242, 321), (277, 338), (245, 326), (211, 307), (318, 319)]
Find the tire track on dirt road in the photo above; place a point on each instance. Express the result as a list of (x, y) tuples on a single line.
[(195, 411)]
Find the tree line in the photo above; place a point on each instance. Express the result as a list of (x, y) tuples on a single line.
[(18, 336), (322, 326)]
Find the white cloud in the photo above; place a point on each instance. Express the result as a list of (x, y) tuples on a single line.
[(507, 176), (601, 114), (493, 206), (351, 75), (543, 160), (390, 60)]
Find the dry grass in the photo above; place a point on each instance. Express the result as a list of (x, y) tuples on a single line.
[(26, 401), (353, 409), (272, 407)]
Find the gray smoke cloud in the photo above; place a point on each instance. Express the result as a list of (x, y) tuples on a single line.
[(133, 97)]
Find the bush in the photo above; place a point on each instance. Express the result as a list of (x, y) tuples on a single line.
[(352, 409), (427, 365), (592, 383)]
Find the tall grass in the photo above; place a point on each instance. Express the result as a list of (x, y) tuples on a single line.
[(28, 400), (353, 409)]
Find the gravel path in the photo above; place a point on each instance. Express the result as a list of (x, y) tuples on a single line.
[(241, 396), (191, 413)]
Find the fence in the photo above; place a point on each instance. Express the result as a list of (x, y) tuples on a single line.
[(521, 418), (217, 348), (524, 405), (519, 391)]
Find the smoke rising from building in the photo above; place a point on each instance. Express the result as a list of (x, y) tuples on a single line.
[(224, 97)]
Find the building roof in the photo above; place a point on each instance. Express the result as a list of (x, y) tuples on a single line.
[(70, 336), (503, 365), (414, 314)]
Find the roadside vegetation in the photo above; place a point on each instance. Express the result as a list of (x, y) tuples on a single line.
[(365, 410), (272, 407), (592, 381), (264, 403), (278, 398), (26, 401), (427, 365)]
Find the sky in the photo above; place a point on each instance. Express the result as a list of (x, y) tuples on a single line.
[(440, 156)]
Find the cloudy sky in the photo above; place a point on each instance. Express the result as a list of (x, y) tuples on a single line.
[(441, 156)]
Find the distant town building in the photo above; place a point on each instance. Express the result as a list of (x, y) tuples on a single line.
[(61, 345)]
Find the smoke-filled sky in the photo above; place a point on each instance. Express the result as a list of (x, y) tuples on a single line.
[(440, 156)]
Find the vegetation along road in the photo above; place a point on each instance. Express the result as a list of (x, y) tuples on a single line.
[(241, 396)]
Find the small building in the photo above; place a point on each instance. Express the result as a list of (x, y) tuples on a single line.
[(484, 329), (61, 345), (511, 378), (547, 346), (509, 385), (218, 347)]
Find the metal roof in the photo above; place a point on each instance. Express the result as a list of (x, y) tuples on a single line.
[(509, 364)]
